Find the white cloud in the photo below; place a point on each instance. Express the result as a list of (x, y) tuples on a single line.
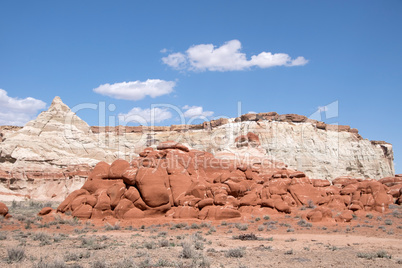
[(136, 90), (227, 58), (143, 116), (192, 111), (18, 112), (176, 60), (299, 61)]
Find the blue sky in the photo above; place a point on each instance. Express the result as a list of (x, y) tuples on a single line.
[(206, 56)]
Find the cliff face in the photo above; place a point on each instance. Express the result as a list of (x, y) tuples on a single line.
[(323, 152), (49, 156), (53, 154)]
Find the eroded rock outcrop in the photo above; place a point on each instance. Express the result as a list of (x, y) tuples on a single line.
[(320, 150), (178, 182), (50, 156)]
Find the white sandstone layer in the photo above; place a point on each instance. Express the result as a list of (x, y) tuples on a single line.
[(52, 155)]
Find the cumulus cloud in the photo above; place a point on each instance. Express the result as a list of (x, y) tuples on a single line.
[(18, 112), (227, 57), (136, 90), (176, 60), (192, 111), (144, 116)]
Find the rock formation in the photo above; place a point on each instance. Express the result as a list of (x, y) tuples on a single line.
[(4, 211), (6, 131), (321, 151), (52, 155), (174, 181)]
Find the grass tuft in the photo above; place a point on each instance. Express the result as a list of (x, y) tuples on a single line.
[(235, 253), (15, 255)]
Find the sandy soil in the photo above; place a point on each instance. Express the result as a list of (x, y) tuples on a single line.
[(370, 240)]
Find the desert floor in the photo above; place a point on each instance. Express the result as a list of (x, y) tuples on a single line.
[(369, 240)]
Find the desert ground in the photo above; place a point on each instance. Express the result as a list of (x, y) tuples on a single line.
[(371, 239)]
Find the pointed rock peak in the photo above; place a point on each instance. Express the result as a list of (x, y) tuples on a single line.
[(58, 105), (58, 118), (57, 99)]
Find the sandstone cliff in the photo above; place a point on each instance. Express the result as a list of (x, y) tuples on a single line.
[(321, 151), (52, 155)]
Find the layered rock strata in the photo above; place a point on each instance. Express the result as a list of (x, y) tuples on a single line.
[(320, 150), (52, 155)]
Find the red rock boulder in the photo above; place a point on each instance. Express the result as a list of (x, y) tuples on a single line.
[(172, 145), (151, 184), (44, 211), (3, 209), (117, 169)]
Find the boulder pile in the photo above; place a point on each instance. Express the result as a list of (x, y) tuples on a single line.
[(174, 181)]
